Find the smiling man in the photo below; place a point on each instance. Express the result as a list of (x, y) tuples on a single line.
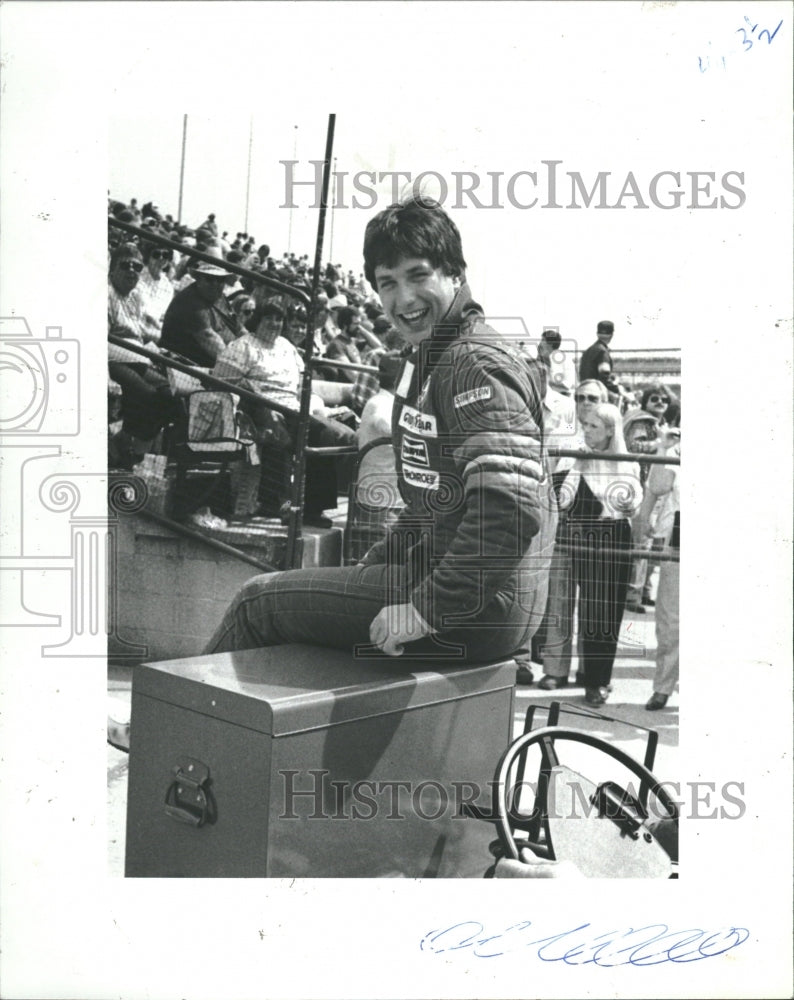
[(463, 571)]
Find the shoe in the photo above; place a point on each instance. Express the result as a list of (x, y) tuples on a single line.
[(648, 601), (547, 683), (656, 701), (592, 696), (524, 676), (638, 609)]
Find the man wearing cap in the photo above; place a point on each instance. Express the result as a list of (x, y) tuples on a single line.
[(198, 324), (462, 573), (596, 362)]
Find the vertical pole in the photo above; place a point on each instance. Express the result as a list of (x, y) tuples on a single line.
[(294, 157), (248, 175), (333, 214), (182, 169), (294, 547)]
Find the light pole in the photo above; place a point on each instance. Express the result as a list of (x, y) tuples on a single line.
[(294, 157), (248, 175), (182, 169)]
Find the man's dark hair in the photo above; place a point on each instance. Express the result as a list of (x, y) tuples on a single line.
[(654, 389), (418, 227), (553, 339), (344, 317), (272, 309)]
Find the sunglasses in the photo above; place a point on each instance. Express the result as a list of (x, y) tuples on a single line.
[(658, 399), (160, 255), (248, 311), (582, 397), (130, 265)]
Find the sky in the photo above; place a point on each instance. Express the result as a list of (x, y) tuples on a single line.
[(545, 266)]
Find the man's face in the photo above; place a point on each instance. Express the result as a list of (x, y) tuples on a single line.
[(657, 403), (124, 276), (605, 336), (415, 296), (210, 288)]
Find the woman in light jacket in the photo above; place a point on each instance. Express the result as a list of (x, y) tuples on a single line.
[(598, 496)]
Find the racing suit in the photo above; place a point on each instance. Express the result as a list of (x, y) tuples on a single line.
[(471, 548)]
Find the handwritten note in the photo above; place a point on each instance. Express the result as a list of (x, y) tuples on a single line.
[(586, 944), (753, 35)]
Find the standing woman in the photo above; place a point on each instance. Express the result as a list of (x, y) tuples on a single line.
[(598, 497)]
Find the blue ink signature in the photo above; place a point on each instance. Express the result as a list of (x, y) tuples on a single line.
[(653, 944), (746, 41)]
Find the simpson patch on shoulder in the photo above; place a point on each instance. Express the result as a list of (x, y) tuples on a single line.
[(484, 392)]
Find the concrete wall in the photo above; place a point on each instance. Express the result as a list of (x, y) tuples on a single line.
[(170, 592)]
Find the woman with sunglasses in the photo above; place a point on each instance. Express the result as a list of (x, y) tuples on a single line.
[(557, 628), (644, 430), (155, 287), (243, 309), (597, 497)]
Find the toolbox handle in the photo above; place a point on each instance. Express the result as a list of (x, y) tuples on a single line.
[(187, 800)]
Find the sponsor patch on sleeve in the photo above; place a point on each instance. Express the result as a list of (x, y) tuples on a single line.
[(419, 423), (472, 396), (425, 479), (415, 451)]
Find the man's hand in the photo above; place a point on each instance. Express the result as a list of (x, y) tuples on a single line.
[(395, 625)]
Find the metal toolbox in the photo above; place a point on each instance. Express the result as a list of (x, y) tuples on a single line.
[(305, 761)]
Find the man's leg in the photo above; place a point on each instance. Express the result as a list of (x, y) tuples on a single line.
[(329, 606)]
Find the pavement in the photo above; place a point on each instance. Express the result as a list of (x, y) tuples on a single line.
[(621, 722)]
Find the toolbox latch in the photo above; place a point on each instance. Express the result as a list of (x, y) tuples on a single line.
[(189, 799)]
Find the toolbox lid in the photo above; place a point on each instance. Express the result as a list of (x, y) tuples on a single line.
[(293, 688)]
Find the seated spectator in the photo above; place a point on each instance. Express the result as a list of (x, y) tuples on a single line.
[(155, 287), (243, 308), (641, 433), (366, 383), (210, 224), (127, 316), (146, 401), (344, 347), (655, 400), (268, 364), (198, 324), (376, 415)]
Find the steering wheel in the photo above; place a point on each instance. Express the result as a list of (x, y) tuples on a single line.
[(629, 839)]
